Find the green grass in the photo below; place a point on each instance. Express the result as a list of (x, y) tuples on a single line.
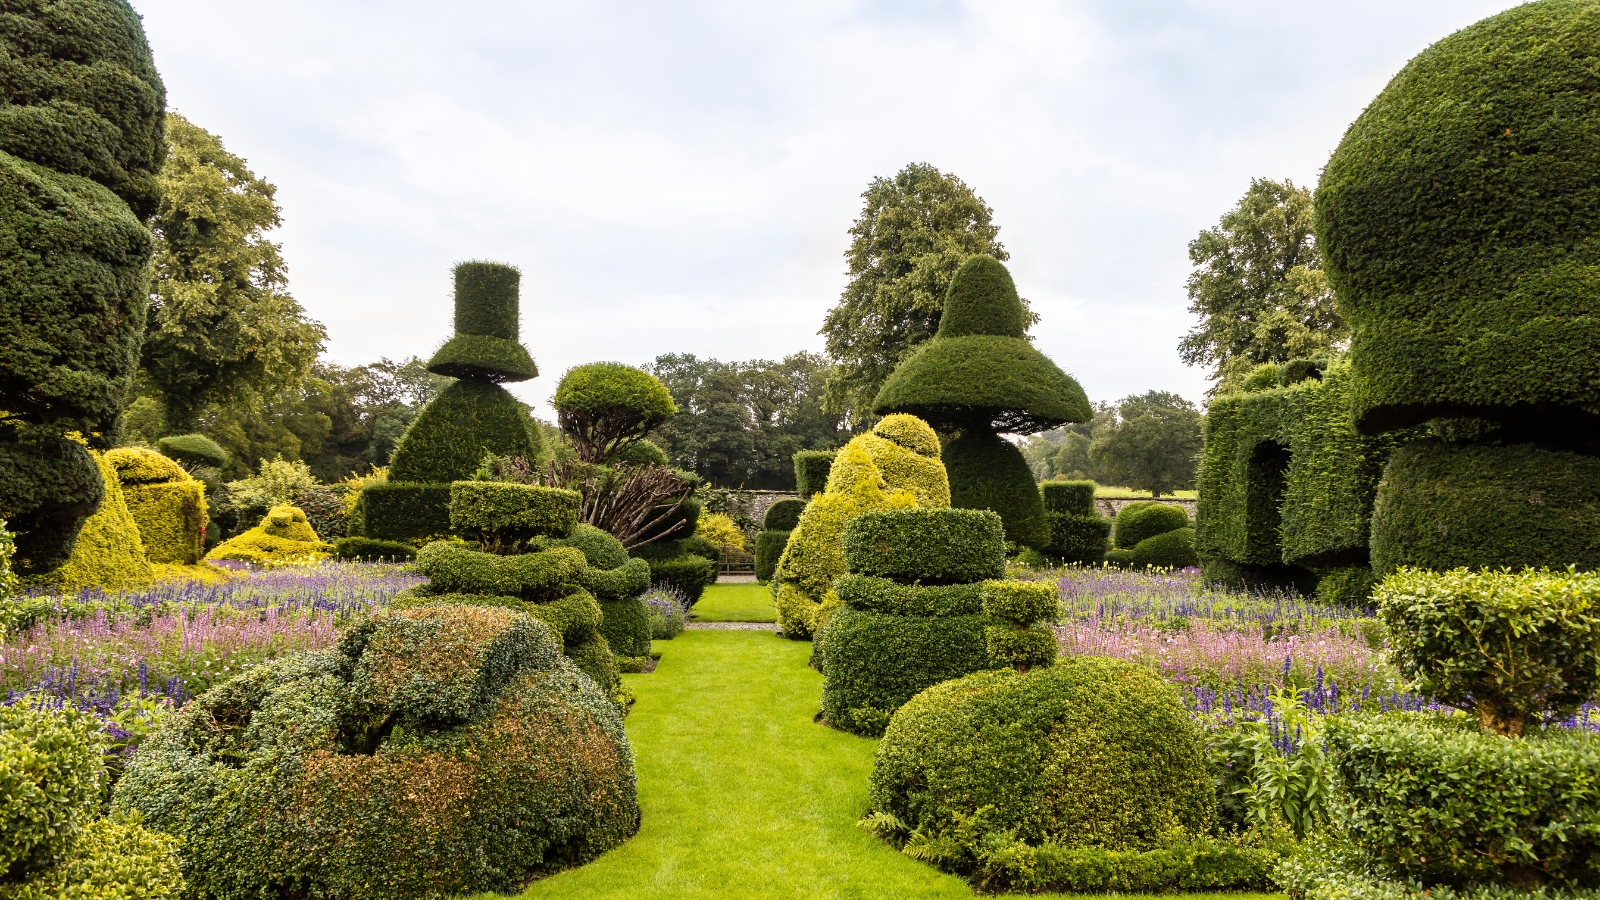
[(1122, 493), (743, 602), (744, 795)]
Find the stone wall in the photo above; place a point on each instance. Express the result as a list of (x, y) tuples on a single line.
[(1110, 506)]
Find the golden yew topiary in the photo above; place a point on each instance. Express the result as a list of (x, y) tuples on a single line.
[(109, 553), (284, 537)]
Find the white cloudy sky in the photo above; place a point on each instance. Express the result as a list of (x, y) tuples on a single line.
[(679, 175)]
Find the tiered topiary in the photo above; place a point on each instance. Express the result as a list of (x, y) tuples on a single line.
[(811, 471), (54, 843), (434, 752), (81, 118), (1078, 532), (980, 377), (1460, 222), (470, 418), (1151, 533), (283, 538), (108, 553), (917, 611), (893, 466), (166, 502), (779, 519)]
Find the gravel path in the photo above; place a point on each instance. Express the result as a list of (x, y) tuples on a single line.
[(731, 626)]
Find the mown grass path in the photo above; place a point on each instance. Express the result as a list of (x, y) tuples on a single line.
[(744, 796), (735, 602)]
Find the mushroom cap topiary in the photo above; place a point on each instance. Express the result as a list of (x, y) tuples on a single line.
[(485, 346), (979, 371), (1460, 219)]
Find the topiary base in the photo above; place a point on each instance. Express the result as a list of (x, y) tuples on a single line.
[(988, 472), (876, 662), (1074, 538), (394, 511), (625, 624), (769, 547)]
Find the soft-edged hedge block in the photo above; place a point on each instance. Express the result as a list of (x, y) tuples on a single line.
[(501, 513), (1021, 603), (457, 428), (1073, 498), (109, 553), (1168, 550), (876, 662), (872, 594), (1146, 519), (811, 469), (369, 550), (769, 548), (1021, 648), (392, 511), (625, 624), (50, 783), (1077, 539), (1201, 865), (930, 545), (454, 568), (783, 515)]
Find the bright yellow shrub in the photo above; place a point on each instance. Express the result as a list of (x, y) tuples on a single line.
[(167, 503), (141, 465), (283, 538), (719, 529), (109, 554)]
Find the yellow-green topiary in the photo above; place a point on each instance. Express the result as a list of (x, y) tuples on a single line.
[(894, 466), (720, 529), (167, 503), (109, 553), (284, 537)]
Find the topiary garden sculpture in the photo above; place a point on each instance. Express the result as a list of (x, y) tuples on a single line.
[(167, 503), (284, 537), (1078, 532)]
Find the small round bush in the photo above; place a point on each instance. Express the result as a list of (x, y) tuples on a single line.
[(769, 548), (689, 575), (194, 449), (1168, 550), (1146, 519), (604, 407), (642, 453), (1090, 752), (783, 515)]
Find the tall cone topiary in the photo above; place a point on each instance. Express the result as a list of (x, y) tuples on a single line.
[(470, 418), (980, 377)]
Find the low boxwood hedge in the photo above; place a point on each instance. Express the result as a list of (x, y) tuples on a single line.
[(876, 662), (933, 546)]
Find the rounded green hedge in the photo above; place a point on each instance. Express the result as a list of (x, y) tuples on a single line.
[(496, 512), (194, 449), (1077, 539), (871, 594), (49, 486), (368, 549), (928, 545), (464, 422), (1073, 498), (876, 662), (1146, 519), (599, 547), (988, 472), (811, 469), (783, 515), (626, 626), (1168, 550), (1089, 752), (769, 548), (396, 511), (689, 574), (1441, 506), (1459, 220), (643, 453)]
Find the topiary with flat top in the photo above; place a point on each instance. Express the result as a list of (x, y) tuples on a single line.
[(168, 504), (979, 376), (487, 344)]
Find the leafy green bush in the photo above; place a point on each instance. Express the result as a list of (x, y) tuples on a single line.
[(49, 487), (1168, 550), (369, 550), (1199, 865), (325, 509), (988, 472), (769, 547), (1022, 640), (502, 516), (393, 511), (50, 782), (876, 662), (1506, 645), (1090, 752), (811, 469), (1515, 812), (454, 568), (1349, 587), (1146, 519), (457, 428), (689, 575), (1073, 498), (926, 545), (1077, 539), (783, 515), (625, 624), (881, 595), (486, 346), (605, 407), (194, 449), (438, 751)]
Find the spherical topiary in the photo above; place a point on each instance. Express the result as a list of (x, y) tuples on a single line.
[(436, 751), (783, 515), (487, 344), (989, 472), (1146, 519), (1090, 752), (193, 449), (643, 453), (1168, 550), (1460, 223), (605, 407)]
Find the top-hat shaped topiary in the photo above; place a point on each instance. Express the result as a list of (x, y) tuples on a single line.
[(980, 377), (486, 345)]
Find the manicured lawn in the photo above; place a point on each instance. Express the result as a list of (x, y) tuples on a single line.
[(745, 602), (1122, 493), (744, 795)]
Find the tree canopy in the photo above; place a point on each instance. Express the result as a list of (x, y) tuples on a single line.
[(1154, 444), (915, 230), (1258, 286), (222, 321)]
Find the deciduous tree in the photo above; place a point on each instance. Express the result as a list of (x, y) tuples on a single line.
[(1154, 444)]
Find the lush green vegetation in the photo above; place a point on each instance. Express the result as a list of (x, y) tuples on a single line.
[(737, 602)]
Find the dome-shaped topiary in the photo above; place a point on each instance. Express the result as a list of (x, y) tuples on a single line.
[(1460, 221), (909, 432), (1146, 519), (139, 465), (783, 515), (1090, 752), (194, 449), (487, 344), (284, 537), (606, 407)]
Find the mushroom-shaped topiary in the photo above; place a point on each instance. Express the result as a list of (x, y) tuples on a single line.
[(605, 408), (980, 377)]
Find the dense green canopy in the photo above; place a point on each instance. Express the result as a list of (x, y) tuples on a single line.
[(486, 345)]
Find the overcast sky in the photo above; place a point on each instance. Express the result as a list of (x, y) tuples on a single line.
[(679, 176)]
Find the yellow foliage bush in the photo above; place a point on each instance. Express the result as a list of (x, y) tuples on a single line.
[(109, 554), (167, 503), (895, 466), (283, 538), (719, 529)]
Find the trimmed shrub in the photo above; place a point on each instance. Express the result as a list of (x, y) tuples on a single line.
[(140, 465), (452, 434), (369, 550), (721, 531), (1442, 506), (688, 575), (769, 548), (1146, 519), (51, 781), (625, 624), (811, 469), (880, 595), (109, 553), (686, 517), (1349, 587), (936, 546), (1517, 812), (876, 662), (194, 449), (283, 538), (49, 487), (1077, 539), (605, 407), (1073, 498), (167, 504), (402, 512), (451, 750), (599, 548), (783, 515), (1199, 865), (643, 453), (1168, 550), (1507, 645), (503, 516), (454, 568), (1090, 752), (695, 545), (989, 472), (1022, 640), (486, 346)]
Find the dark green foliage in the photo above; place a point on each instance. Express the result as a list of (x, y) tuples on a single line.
[(1073, 498), (1120, 559), (937, 546), (1146, 519), (600, 549), (450, 750), (881, 595), (324, 509), (464, 422), (50, 777), (626, 626), (483, 358), (1203, 865), (769, 547), (1517, 812), (627, 580), (643, 453), (1090, 752), (695, 545), (402, 512), (452, 568), (1168, 550), (876, 662), (1509, 645), (369, 550), (486, 346), (1459, 218), (689, 574), (989, 472), (811, 469), (1228, 575), (503, 516), (1349, 587), (783, 515), (193, 449), (606, 407), (80, 95), (1077, 539), (1297, 370), (1442, 506), (982, 300), (49, 486)]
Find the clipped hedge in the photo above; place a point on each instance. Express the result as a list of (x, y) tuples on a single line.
[(109, 553), (498, 513), (1168, 550), (769, 548), (689, 575), (457, 428), (935, 546), (49, 487), (369, 550), (454, 568), (194, 449), (811, 471), (1146, 519), (1073, 498), (625, 624), (1077, 539), (392, 511), (988, 472), (1440, 506), (876, 662), (880, 595), (486, 345), (1197, 865), (166, 503), (783, 515)]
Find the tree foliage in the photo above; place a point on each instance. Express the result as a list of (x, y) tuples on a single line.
[(1154, 444), (914, 231), (222, 322), (1258, 286)]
